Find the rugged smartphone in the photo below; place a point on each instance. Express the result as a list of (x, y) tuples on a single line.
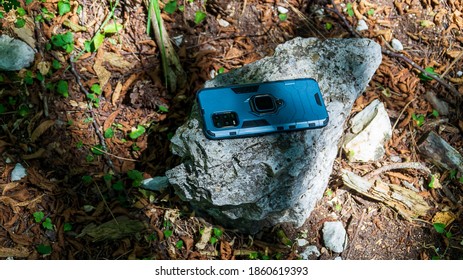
[(257, 109)]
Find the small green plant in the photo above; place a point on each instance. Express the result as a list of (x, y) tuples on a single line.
[(109, 133), (163, 109), (2, 108), (47, 224), (118, 186), (95, 91), (87, 180), (199, 17), (435, 113), (44, 249), (423, 75), (62, 88), (64, 6), (55, 64), (63, 41), (328, 26), (371, 12), (135, 133), (216, 235), (167, 231), (350, 10), (39, 217), (170, 7), (97, 149), (67, 227), (440, 228), (136, 177), (179, 244), (419, 119), (283, 17)]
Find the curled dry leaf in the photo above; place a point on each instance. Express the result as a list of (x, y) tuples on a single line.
[(41, 129), (225, 251), (445, 218), (205, 237)]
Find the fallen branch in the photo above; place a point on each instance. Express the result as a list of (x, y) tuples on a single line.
[(94, 123), (402, 165)]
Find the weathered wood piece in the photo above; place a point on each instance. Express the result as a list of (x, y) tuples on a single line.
[(440, 152), (409, 204)]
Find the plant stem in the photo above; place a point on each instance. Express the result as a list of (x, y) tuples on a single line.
[(173, 72)]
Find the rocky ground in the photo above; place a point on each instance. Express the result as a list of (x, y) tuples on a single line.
[(84, 165)]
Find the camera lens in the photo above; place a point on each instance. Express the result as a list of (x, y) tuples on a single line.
[(263, 103)]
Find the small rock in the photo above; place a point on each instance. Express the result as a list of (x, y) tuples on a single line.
[(14, 54), (18, 172), (334, 236), (397, 45), (338, 259), (223, 22), (157, 184), (282, 10), (370, 129), (361, 25), (310, 250), (396, 159), (460, 73), (302, 242), (178, 40)]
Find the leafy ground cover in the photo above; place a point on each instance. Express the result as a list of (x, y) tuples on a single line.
[(92, 118)]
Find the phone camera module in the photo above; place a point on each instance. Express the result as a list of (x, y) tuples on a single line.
[(226, 119), (263, 104)]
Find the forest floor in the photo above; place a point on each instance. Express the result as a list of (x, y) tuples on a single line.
[(89, 130)]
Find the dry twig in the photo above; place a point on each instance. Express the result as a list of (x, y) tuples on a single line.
[(94, 123)]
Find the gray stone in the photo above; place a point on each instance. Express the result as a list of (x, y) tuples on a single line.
[(310, 250), (14, 54), (18, 172), (334, 236), (302, 242), (369, 130), (361, 26), (258, 182), (158, 183), (397, 45)]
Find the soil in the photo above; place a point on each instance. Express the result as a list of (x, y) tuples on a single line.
[(77, 186)]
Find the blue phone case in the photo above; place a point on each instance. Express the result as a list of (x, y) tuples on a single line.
[(257, 109)]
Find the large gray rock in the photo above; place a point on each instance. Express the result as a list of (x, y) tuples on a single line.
[(252, 183), (14, 54)]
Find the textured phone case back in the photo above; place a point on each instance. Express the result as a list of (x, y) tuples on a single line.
[(284, 106)]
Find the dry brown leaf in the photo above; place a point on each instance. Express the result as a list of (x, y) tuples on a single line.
[(188, 242), (233, 53), (41, 129), (457, 80), (40, 181), (26, 33), (102, 73), (117, 61), (37, 154), (116, 93), (205, 237), (225, 251), (445, 218), (17, 252), (110, 120), (44, 67), (8, 187)]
